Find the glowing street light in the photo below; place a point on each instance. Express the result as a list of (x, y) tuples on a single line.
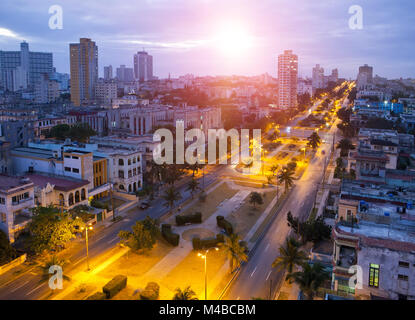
[(204, 257), (88, 227)]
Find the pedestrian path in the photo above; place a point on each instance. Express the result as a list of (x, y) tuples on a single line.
[(175, 256)]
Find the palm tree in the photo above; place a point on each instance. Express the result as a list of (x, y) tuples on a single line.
[(274, 169), (286, 177), (309, 279), (290, 255), (53, 261), (236, 252), (314, 140), (344, 145), (193, 186), (185, 294), (171, 195)]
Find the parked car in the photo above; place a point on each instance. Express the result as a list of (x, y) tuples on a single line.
[(144, 205)]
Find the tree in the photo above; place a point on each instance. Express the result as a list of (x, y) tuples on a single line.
[(235, 251), (50, 229), (171, 195), (193, 186), (60, 131), (290, 255), (152, 226), (78, 132), (270, 178), (139, 239), (255, 199), (7, 252), (53, 261), (313, 230), (185, 294), (286, 177), (314, 140), (344, 145), (309, 279), (274, 169)]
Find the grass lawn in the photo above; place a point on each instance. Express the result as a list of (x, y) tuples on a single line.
[(117, 202), (213, 199), (246, 216), (190, 272)]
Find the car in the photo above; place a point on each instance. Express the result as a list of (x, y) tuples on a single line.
[(144, 205)]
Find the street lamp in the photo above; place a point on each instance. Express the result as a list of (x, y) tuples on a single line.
[(88, 227), (204, 257)]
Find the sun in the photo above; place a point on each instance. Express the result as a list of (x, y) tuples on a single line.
[(233, 39)]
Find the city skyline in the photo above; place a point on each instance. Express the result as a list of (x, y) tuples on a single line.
[(200, 39)]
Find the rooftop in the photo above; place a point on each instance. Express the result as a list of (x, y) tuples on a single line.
[(61, 183), (7, 183)]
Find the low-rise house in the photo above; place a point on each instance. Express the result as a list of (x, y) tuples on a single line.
[(16, 198)]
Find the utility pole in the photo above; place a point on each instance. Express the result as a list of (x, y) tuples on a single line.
[(112, 202)]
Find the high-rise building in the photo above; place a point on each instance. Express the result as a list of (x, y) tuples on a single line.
[(108, 72), (334, 77), (84, 71), (143, 66), (318, 77), (287, 79), (22, 69), (125, 74), (46, 90), (365, 77), (105, 92)]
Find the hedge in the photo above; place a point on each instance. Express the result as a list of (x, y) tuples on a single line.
[(191, 218), (207, 243), (151, 291), (97, 296), (225, 224), (114, 286), (169, 236)]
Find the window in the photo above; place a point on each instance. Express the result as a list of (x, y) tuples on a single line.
[(2, 200), (404, 264), (67, 169), (374, 275), (402, 277), (120, 162), (75, 157), (121, 174), (76, 170)]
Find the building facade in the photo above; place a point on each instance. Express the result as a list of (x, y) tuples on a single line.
[(22, 69), (143, 66), (287, 79), (84, 71)]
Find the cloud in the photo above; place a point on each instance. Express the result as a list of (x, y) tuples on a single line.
[(8, 33)]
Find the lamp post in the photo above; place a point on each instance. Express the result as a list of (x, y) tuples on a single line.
[(88, 227), (204, 257)]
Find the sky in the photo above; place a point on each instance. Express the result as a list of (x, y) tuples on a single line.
[(221, 37)]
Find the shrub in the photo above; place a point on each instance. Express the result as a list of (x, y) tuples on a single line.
[(97, 296), (151, 291), (114, 286), (225, 224), (169, 236), (191, 218), (207, 243)]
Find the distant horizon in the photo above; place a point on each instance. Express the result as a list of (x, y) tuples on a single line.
[(201, 38)]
